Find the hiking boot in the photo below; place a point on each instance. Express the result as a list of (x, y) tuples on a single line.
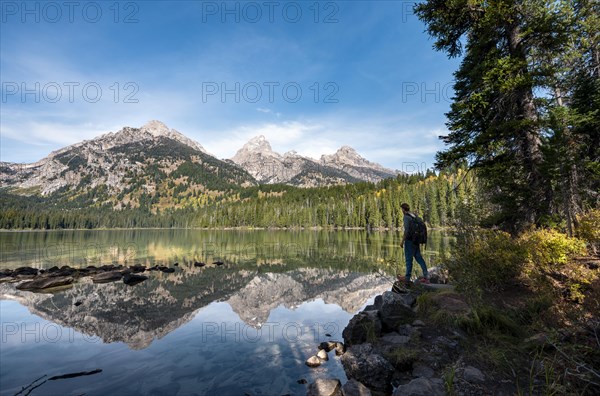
[(424, 281)]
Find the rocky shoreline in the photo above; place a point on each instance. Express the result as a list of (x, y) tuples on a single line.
[(391, 348)]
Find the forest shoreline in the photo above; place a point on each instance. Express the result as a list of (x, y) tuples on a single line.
[(224, 229)]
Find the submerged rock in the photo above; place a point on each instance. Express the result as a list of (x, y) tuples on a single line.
[(132, 279), (5, 274), (109, 276), (45, 283), (25, 271), (325, 387), (137, 268), (197, 264)]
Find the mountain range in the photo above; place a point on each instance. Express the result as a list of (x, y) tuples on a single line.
[(161, 165)]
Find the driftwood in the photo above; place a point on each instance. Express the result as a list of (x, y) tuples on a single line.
[(73, 375), (29, 388)]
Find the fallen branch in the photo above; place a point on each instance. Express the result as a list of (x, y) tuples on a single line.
[(56, 377), (26, 387)]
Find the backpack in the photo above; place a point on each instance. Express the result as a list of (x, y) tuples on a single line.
[(417, 231)]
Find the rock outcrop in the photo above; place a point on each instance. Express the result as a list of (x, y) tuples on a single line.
[(390, 352), (325, 387), (363, 363)]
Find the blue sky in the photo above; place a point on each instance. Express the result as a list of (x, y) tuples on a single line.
[(310, 76)]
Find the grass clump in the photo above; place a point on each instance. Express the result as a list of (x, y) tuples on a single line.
[(402, 358), (449, 377), (489, 321), (370, 332)]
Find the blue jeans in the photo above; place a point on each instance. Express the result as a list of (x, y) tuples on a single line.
[(413, 250)]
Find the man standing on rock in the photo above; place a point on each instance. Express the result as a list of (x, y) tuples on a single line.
[(410, 243)]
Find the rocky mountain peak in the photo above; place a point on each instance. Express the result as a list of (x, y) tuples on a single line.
[(156, 128), (257, 147), (258, 143), (349, 160), (345, 155), (347, 150)]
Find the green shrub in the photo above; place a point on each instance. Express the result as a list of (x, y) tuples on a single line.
[(485, 260), (488, 261), (589, 229), (546, 248)]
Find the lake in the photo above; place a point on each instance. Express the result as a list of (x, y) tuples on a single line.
[(244, 327)]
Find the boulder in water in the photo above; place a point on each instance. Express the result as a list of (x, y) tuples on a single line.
[(313, 361), (322, 354)]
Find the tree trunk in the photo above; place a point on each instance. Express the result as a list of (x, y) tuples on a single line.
[(526, 112), (570, 187)]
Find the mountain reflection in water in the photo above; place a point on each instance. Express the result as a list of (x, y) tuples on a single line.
[(245, 327), (137, 315)]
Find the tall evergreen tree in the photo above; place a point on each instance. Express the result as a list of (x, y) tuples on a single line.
[(494, 120)]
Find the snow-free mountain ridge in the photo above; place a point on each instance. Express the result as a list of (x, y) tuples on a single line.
[(344, 166), (153, 158)]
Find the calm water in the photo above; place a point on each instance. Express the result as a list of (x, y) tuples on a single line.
[(243, 328)]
